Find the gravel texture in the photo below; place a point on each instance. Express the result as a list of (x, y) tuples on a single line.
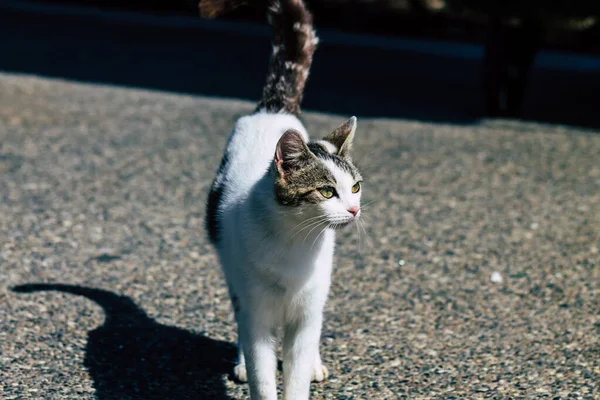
[(477, 275)]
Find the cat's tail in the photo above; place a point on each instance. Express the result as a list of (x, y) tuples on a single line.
[(294, 43)]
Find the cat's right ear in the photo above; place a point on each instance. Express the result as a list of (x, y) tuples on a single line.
[(342, 137), (292, 153)]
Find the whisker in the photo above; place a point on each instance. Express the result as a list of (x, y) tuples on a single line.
[(364, 217), (367, 238), (367, 206), (309, 222), (368, 203), (358, 233), (311, 226), (308, 234), (320, 233)]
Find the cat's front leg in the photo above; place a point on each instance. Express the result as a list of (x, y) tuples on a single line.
[(300, 357), (239, 371), (320, 371), (258, 345)]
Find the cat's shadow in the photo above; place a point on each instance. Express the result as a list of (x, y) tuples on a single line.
[(131, 356)]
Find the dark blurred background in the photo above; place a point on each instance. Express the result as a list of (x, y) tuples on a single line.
[(439, 60), (570, 25)]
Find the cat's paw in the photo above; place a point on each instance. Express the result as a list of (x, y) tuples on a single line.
[(239, 371), (320, 373)]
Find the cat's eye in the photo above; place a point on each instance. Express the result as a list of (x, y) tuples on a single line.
[(327, 192), (356, 187)]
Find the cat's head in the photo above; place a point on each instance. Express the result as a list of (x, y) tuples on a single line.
[(318, 179)]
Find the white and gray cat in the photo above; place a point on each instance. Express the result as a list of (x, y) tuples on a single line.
[(272, 212)]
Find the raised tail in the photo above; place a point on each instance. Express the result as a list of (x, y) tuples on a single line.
[(294, 43)]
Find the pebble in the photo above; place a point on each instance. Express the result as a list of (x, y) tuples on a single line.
[(496, 278)]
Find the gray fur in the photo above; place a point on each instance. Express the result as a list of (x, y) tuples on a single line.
[(294, 43)]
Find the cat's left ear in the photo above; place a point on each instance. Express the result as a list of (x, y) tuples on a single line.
[(342, 137)]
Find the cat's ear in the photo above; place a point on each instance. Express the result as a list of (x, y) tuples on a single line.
[(342, 137), (291, 153)]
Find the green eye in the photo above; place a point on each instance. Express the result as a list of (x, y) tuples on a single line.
[(356, 187), (327, 192)]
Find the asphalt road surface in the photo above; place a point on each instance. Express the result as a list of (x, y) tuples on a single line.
[(102, 194)]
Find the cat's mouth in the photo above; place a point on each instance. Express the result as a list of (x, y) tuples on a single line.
[(342, 224)]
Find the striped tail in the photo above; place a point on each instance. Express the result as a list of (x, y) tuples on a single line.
[(294, 43)]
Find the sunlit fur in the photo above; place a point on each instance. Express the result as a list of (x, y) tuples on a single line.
[(277, 258)]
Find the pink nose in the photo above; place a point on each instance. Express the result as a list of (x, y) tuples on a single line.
[(353, 210)]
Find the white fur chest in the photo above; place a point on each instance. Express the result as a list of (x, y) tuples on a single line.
[(290, 263)]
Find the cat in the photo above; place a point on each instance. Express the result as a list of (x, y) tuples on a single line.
[(272, 213)]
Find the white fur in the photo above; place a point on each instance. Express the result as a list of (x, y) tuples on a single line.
[(276, 260), (330, 147), (337, 207)]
